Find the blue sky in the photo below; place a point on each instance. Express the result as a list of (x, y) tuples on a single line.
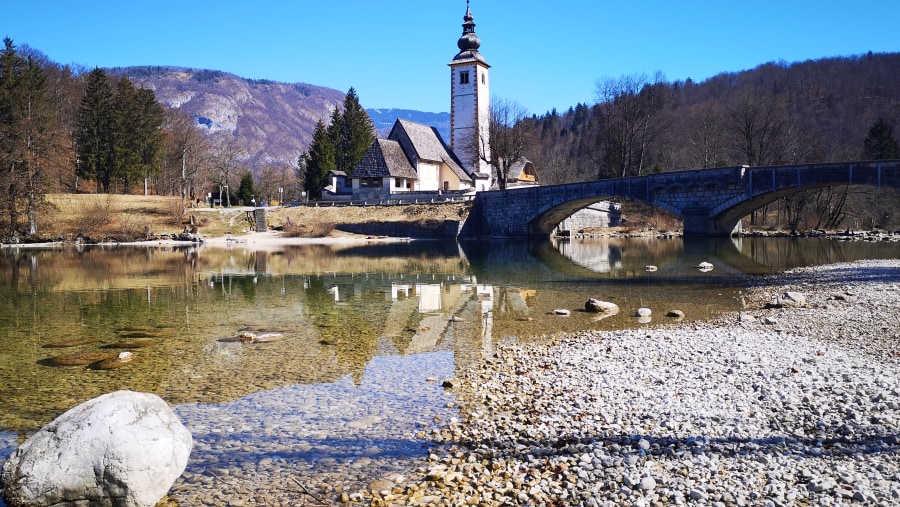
[(543, 54)]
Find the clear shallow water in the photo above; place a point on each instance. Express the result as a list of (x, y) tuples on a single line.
[(368, 332)]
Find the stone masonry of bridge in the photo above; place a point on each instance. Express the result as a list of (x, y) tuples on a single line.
[(711, 202)]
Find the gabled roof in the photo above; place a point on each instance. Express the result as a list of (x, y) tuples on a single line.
[(428, 145), (515, 170), (384, 158)]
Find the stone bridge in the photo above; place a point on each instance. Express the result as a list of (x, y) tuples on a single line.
[(711, 202)]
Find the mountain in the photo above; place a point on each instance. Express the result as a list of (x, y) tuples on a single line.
[(384, 119), (273, 122)]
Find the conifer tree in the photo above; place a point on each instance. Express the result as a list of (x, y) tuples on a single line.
[(246, 192), (339, 146), (318, 161), (137, 135), (95, 131), (881, 144), (355, 134)]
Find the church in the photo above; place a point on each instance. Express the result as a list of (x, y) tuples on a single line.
[(414, 158)]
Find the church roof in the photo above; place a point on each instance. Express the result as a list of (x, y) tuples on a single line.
[(427, 144), (384, 158), (469, 57)]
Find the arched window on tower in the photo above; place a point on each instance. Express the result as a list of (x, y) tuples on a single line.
[(464, 77)]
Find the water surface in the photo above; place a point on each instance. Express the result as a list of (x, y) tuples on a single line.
[(365, 333)]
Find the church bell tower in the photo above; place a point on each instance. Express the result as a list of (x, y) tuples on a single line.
[(470, 101)]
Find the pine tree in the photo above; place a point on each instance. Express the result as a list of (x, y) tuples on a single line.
[(355, 134), (95, 131), (339, 146), (881, 144), (246, 193), (137, 133), (120, 136), (318, 161)]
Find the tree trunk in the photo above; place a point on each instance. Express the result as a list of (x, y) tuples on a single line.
[(32, 215)]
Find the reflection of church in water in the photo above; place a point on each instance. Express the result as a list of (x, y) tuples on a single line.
[(427, 313)]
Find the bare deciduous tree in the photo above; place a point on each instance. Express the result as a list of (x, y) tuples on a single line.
[(632, 108), (508, 133), (271, 178), (186, 165), (225, 163), (707, 139)]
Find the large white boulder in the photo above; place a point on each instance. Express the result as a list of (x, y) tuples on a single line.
[(120, 449)]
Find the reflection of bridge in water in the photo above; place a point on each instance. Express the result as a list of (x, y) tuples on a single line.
[(678, 264), (537, 261)]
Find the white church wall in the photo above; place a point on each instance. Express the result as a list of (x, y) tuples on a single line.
[(429, 176)]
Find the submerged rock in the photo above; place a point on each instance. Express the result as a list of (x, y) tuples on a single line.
[(79, 358), (120, 360), (597, 306)]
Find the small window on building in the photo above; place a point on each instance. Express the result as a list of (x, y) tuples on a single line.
[(464, 77), (483, 78)]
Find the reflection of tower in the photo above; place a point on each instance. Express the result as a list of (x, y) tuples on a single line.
[(470, 101), (486, 296)]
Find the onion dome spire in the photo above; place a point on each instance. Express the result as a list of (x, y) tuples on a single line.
[(469, 43)]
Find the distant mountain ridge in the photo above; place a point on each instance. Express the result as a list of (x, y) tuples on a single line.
[(384, 119), (273, 122)]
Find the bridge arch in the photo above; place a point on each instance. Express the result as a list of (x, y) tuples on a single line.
[(711, 202), (545, 223)]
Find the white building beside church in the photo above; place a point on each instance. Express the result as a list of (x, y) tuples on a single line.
[(414, 157)]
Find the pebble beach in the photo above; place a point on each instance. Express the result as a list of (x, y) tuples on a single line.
[(772, 406)]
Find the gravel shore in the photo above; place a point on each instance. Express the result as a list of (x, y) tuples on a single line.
[(772, 406)]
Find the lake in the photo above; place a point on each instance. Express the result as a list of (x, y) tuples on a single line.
[(355, 340)]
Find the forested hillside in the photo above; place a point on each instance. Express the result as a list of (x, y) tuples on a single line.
[(828, 110), (777, 113)]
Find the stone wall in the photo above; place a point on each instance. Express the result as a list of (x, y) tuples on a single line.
[(430, 229), (595, 215)]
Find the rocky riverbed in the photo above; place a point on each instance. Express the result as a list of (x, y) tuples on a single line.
[(772, 406)]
